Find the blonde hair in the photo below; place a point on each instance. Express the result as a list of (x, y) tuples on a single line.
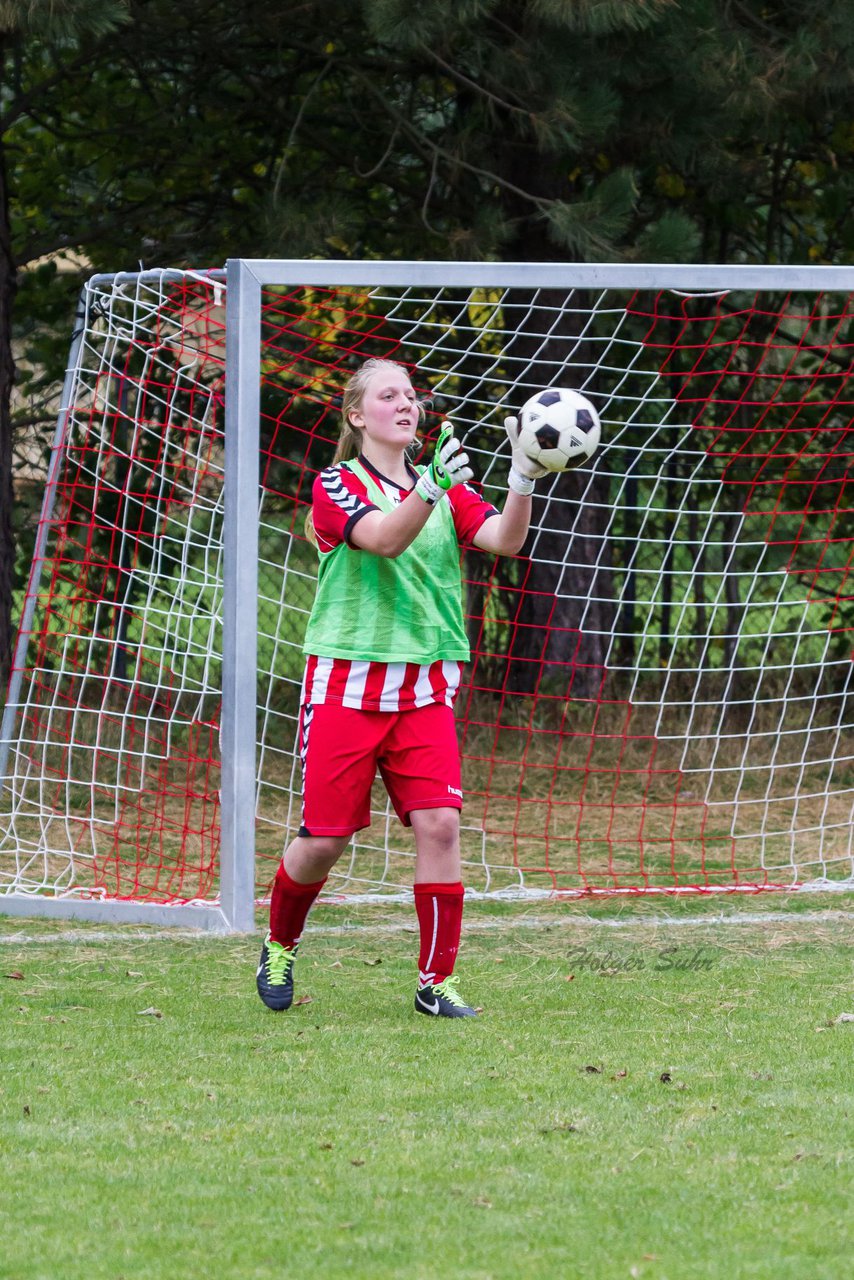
[(350, 437)]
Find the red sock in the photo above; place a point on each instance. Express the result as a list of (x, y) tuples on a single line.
[(439, 908), (289, 906)]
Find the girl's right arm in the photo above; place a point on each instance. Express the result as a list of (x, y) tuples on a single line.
[(388, 534)]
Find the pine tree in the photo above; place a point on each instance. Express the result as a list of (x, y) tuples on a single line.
[(495, 129)]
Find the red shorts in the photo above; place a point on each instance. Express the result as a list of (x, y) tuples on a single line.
[(415, 751)]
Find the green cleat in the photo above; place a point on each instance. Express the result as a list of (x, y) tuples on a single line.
[(276, 975), (442, 1000)]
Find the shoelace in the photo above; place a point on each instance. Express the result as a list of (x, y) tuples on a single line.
[(279, 961), (448, 989)]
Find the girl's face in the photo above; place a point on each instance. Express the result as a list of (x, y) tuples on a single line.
[(388, 414)]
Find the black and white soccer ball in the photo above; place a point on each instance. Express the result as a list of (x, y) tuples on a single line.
[(559, 429)]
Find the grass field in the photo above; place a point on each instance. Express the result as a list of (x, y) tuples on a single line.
[(654, 1090)]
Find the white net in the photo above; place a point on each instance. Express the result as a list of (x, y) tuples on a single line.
[(659, 692)]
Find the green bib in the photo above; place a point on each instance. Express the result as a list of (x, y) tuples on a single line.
[(407, 609)]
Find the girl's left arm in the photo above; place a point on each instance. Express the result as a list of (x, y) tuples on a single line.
[(503, 535)]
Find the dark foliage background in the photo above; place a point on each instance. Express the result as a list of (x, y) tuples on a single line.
[(137, 131)]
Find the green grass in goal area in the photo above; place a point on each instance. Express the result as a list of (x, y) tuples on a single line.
[(618, 1110)]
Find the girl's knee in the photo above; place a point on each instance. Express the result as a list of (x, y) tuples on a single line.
[(440, 826), (310, 858), (328, 848)]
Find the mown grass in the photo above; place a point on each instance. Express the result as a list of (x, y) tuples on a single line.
[(608, 1114)]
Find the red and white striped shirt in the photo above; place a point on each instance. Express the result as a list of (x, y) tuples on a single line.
[(380, 686)]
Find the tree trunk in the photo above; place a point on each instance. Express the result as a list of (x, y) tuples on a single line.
[(565, 615), (627, 621), (671, 518), (564, 618), (8, 287)]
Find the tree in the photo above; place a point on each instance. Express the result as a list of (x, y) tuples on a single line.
[(159, 145), (533, 130), (65, 25), (665, 130)]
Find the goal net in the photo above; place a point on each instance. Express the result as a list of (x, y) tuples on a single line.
[(659, 696)]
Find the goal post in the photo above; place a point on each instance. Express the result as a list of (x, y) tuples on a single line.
[(37, 877), (659, 698)]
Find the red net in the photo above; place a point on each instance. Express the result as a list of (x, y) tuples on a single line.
[(658, 690)]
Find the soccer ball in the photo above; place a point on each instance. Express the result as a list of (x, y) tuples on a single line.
[(559, 429)]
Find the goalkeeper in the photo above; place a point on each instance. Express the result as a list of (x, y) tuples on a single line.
[(384, 645)]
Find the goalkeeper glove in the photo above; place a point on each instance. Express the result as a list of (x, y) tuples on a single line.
[(448, 468), (523, 470)]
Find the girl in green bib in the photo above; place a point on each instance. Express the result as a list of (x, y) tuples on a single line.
[(384, 647)]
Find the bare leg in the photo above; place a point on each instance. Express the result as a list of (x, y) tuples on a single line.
[(437, 846), (308, 859)]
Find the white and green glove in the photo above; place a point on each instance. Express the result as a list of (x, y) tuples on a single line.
[(448, 468), (523, 470)]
